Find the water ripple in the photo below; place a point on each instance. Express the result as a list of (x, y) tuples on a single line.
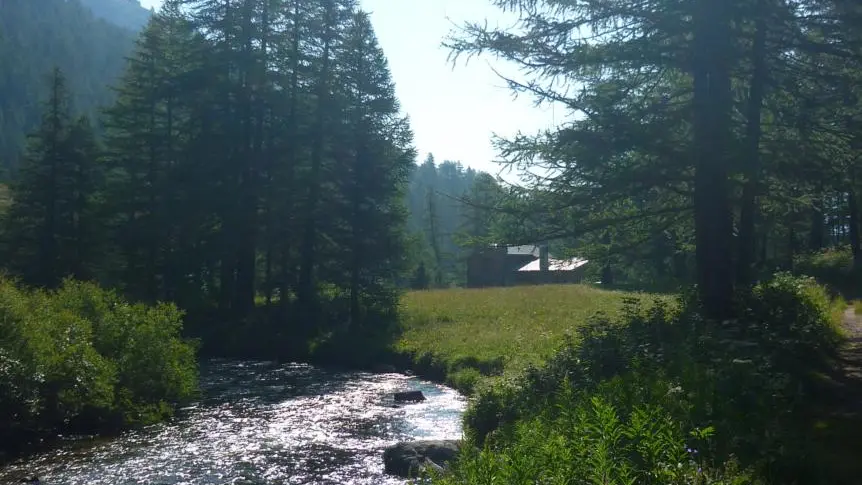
[(263, 423)]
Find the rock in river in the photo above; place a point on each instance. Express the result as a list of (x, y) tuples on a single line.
[(409, 396), (407, 459)]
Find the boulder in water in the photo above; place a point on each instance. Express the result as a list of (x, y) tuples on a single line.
[(384, 369), (409, 458), (409, 396)]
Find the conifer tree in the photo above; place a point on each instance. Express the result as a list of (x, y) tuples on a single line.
[(51, 232), (147, 134), (256, 149), (375, 167)]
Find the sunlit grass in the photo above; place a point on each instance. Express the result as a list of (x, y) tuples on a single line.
[(504, 327)]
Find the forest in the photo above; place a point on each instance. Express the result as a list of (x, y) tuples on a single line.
[(248, 166), (248, 187), (212, 194)]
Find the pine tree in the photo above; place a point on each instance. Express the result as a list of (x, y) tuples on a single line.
[(82, 230), (51, 231), (148, 132), (375, 169), (659, 153), (256, 149)]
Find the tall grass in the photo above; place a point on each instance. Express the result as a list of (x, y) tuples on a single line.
[(660, 395), (472, 333)]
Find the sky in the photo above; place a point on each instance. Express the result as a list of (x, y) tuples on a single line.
[(453, 110)]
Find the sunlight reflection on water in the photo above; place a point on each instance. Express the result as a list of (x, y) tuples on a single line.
[(263, 423)]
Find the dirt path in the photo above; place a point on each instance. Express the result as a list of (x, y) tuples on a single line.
[(842, 396), (851, 355), (840, 433)]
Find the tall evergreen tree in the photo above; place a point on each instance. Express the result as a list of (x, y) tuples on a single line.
[(50, 225), (375, 167), (146, 132), (256, 150)]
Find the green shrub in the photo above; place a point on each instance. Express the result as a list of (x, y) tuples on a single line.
[(154, 367), (832, 267), (749, 378), (465, 380), (82, 359), (585, 439)]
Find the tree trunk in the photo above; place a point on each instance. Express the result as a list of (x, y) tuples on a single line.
[(853, 227), (287, 268), (253, 128), (712, 102), (153, 236), (748, 213), (791, 246), (607, 270), (49, 231), (818, 227), (435, 241), (306, 293), (227, 270), (356, 201)]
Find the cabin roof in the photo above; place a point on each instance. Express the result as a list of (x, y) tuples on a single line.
[(526, 250), (555, 264)]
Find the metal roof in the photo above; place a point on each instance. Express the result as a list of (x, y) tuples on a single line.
[(527, 250), (555, 264)]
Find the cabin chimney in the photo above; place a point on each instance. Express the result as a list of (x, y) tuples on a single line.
[(544, 258)]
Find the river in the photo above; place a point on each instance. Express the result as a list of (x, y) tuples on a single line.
[(262, 423)]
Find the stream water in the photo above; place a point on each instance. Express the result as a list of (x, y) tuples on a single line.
[(262, 423)]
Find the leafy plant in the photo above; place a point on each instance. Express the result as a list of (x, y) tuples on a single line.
[(590, 441), (749, 379), (83, 359)]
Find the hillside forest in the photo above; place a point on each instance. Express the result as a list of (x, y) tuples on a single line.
[(142, 208)]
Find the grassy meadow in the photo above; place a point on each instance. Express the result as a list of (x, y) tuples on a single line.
[(667, 395), (472, 333)]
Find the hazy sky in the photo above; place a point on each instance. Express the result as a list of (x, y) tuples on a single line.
[(453, 112)]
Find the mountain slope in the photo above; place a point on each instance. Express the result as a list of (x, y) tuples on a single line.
[(128, 14), (36, 36)]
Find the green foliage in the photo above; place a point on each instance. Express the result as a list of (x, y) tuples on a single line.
[(833, 267), (155, 367), (589, 441), (280, 185), (750, 378), (273, 184), (495, 330), (420, 278), (82, 359), (51, 229), (452, 209), (774, 169)]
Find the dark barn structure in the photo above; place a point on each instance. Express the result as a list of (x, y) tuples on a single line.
[(520, 265)]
